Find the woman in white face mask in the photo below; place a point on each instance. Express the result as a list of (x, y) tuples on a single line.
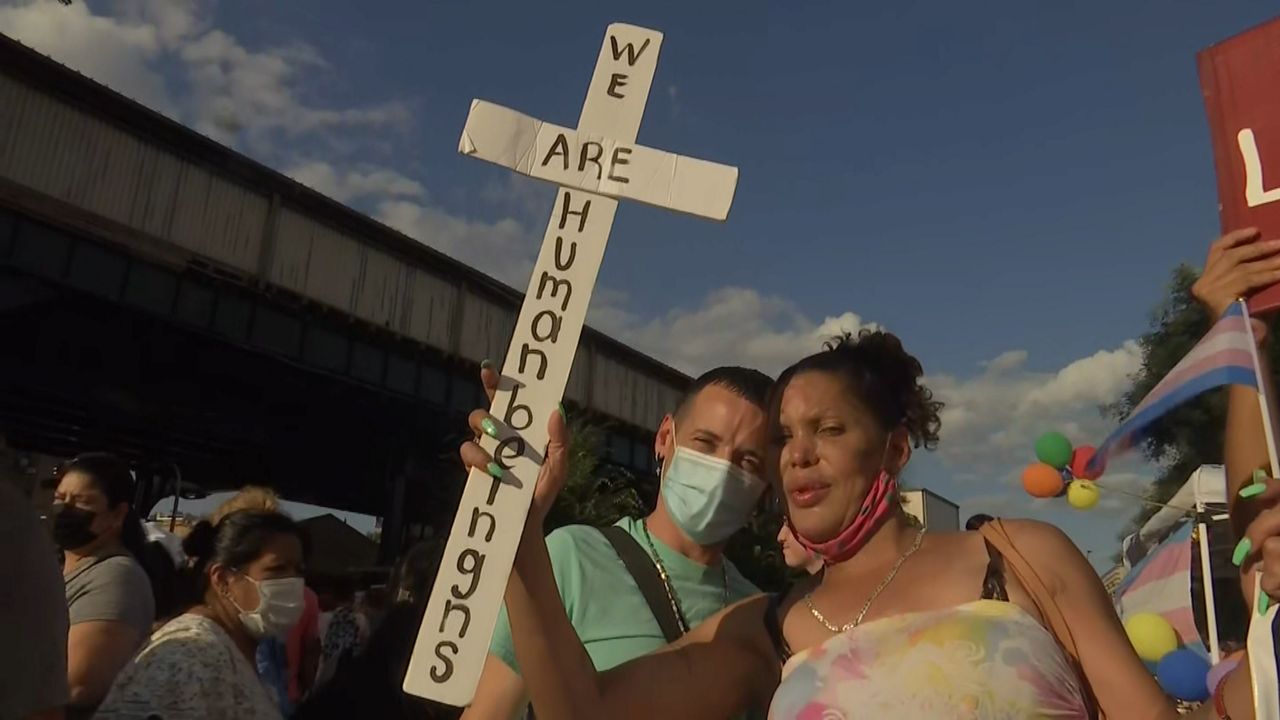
[(248, 575)]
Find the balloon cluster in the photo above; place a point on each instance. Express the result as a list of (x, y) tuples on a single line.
[(1183, 673), (1062, 470)]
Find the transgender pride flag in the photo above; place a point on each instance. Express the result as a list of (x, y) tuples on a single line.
[(1223, 357), (1161, 584)]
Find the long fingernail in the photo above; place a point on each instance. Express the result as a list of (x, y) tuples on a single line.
[(1253, 490), (485, 364), (1241, 552), (1259, 475), (563, 416), (489, 427), (1264, 602), (496, 471)]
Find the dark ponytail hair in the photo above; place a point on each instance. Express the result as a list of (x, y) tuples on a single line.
[(111, 476), (237, 540)]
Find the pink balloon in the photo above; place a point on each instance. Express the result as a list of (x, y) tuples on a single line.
[(1219, 671)]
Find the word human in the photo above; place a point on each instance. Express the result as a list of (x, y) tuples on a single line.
[(594, 165), (553, 293)]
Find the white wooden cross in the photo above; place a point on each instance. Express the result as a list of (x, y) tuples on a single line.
[(593, 165)]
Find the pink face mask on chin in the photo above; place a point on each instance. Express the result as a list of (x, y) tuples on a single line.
[(876, 508)]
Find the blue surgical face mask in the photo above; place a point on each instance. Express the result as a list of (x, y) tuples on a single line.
[(708, 498)]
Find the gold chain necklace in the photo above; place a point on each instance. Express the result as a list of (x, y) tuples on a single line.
[(808, 597), (670, 586)]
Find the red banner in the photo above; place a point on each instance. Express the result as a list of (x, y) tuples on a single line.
[(1240, 78)]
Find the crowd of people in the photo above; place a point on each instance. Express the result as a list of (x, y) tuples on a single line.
[(646, 618), (228, 627)]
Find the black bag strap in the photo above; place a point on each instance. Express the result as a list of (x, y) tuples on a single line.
[(645, 573)]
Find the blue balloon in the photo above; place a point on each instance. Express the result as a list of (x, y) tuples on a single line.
[(1182, 674)]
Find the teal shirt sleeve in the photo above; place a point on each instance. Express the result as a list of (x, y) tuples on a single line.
[(562, 546)]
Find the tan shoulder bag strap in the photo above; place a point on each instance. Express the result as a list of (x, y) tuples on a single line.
[(995, 533)]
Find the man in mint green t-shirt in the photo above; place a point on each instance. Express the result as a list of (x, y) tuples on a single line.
[(711, 451)]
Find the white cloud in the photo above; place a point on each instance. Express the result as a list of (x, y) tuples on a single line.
[(1006, 361), (234, 90), (991, 420), (504, 248), (350, 184), (521, 196), (173, 20), (164, 54), (732, 326), (1097, 379), (115, 53)]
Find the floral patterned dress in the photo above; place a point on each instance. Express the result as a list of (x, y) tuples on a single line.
[(190, 670), (983, 660), (342, 638)]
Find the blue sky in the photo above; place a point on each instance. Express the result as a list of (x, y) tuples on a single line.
[(1007, 186)]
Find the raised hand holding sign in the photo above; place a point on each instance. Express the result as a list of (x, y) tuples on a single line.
[(1238, 78), (594, 164)]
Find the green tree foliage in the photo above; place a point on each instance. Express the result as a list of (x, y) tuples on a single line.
[(594, 493), (598, 493), (1190, 435)]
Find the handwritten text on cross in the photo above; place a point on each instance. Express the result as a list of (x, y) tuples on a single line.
[(593, 165)]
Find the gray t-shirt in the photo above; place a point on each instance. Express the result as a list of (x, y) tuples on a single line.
[(111, 588), (33, 629)]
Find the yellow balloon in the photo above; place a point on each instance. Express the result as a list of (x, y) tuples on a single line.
[(1152, 636), (1082, 494)]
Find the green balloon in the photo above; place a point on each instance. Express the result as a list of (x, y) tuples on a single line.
[(1053, 448)]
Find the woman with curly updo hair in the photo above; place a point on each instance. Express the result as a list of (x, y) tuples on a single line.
[(1008, 622)]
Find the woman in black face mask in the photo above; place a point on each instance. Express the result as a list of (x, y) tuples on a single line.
[(109, 599)]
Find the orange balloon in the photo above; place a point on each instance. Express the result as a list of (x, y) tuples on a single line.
[(1042, 481)]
